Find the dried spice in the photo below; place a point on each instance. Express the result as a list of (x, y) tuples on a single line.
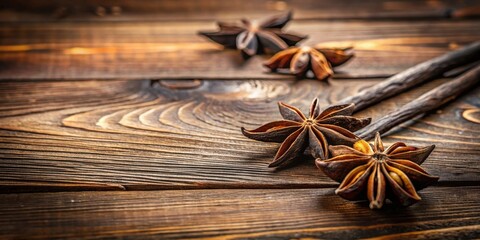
[(426, 102), (252, 37), (297, 132), (299, 60), (420, 74), (377, 173)]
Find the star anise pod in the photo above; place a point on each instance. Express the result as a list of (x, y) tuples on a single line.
[(299, 60), (377, 173), (297, 132), (252, 37)]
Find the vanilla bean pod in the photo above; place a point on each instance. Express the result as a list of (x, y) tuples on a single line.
[(427, 102), (415, 75)]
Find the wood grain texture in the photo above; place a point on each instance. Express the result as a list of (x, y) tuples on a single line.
[(100, 97), (173, 50), (140, 10), (444, 212), (124, 134)]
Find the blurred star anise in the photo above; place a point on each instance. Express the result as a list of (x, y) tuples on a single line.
[(297, 132), (299, 60), (252, 37), (377, 173)]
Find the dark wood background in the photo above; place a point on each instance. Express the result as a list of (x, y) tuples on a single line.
[(118, 121)]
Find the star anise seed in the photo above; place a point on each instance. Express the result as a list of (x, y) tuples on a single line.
[(299, 60), (377, 173), (297, 132), (252, 37)]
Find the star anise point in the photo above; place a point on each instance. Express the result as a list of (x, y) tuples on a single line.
[(252, 37), (379, 173), (299, 60), (297, 132)]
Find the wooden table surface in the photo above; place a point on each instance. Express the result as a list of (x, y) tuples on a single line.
[(118, 121)]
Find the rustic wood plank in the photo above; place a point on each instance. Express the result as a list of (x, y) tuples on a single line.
[(120, 134), (444, 212), (173, 50), (140, 10)]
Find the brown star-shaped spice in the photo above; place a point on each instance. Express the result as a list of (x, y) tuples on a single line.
[(377, 173), (299, 60), (297, 132), (252, 37)]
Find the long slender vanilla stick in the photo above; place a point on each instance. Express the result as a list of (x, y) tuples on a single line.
[(413, 76), (427, 102)]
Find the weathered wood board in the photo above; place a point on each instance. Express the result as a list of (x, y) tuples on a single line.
[(152, 135), (173, 50), (445, 212), (173, 10), (118, 121)]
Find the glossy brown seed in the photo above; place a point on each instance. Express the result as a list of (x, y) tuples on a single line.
[(376, 173), (297, 132)]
